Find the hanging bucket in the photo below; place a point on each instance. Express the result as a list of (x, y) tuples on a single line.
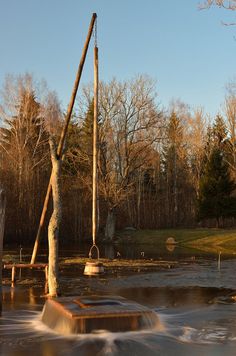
[(93, 268)]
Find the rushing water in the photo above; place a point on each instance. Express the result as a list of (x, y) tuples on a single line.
[(195, 304)]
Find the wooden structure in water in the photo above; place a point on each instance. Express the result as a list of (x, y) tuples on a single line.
[(16, 266), (80, 315)]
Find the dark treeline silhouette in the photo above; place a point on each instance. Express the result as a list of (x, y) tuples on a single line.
[(156, 169)]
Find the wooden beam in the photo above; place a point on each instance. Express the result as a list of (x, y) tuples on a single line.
[(63, 133), (25, 265)]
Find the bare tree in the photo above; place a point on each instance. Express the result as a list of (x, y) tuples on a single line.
[(227, 4), (31, 118), (230, 112), (24, 148), (195, 138), (129, 124), (23, 130)]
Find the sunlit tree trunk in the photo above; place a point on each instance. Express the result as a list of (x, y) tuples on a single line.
[(139, 192), (53, 227), (2, 223)]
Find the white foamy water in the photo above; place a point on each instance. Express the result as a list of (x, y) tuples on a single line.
[(22, 332), (194, 319)]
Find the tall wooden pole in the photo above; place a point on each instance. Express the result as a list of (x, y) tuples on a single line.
[(95, 133), (63, 134), (2, 225)]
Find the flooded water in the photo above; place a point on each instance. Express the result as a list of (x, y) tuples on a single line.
[(194, 302)]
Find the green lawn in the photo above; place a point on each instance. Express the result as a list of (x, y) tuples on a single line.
[(208, 240)]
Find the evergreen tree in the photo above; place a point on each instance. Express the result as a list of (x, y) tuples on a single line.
[(216, 188), (219, 132), (175, 170), (86, 133), (216, 137), (79, 153)]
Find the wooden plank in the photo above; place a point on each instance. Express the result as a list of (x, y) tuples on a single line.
[(25, 265)]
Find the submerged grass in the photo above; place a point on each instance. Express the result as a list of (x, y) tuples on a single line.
[(208, 240)]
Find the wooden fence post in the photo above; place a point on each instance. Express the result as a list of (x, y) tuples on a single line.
[(2, 225)]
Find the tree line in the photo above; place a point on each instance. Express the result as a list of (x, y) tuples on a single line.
[(156, 168)]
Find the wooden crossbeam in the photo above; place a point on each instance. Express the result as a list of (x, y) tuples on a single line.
[(25, 265), (14, 266)]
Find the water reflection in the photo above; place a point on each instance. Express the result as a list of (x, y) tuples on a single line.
[(170, 247), (211, 330), (131, 252), (139, 251), (14, 297), (112, 251), (109, 251), (194, 303), (169, 297)]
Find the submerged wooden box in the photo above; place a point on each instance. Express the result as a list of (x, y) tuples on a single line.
[(92, 313)]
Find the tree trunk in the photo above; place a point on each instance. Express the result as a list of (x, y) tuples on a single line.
[(139, 199), (110, 225), (54, 223), (2, 224)]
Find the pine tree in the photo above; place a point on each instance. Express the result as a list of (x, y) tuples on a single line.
[(219, 132), (86, 133), (175, 170), (216, 188), (78, 158)]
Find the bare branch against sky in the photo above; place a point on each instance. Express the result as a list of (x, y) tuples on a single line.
[(227, 4)]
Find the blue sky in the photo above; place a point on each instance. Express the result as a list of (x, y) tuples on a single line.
[(188, 52)]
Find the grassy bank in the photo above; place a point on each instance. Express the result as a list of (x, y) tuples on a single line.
[(208, 240)]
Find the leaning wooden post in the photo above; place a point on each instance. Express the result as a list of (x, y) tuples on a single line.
[(63, 134), (2, 225)]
